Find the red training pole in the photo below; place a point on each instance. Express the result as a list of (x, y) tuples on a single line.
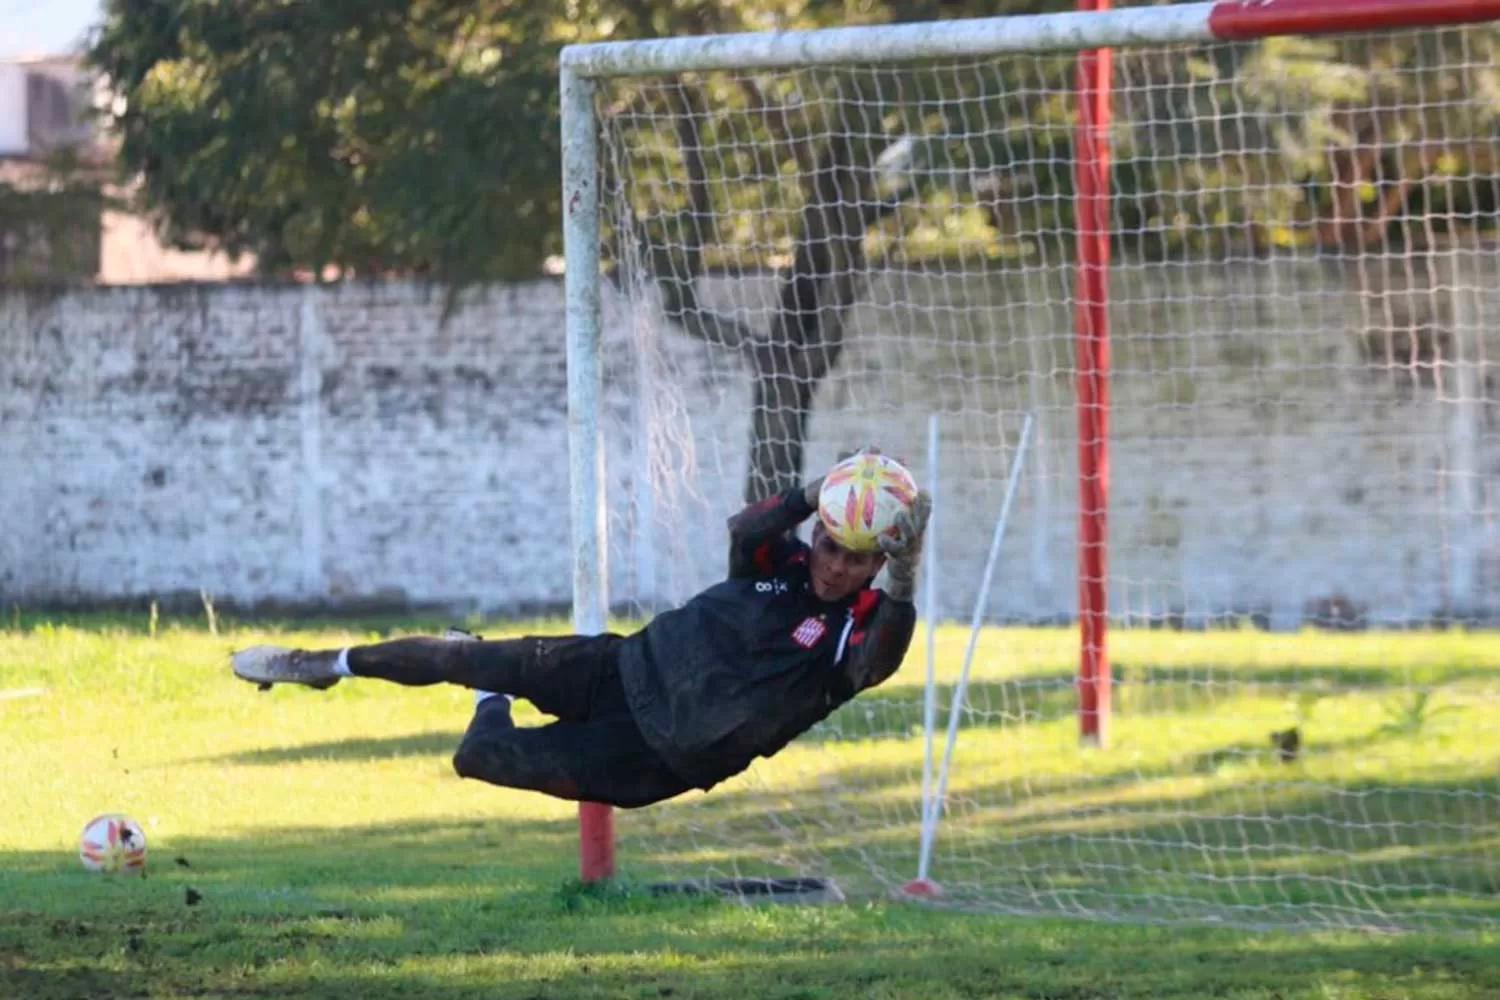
[(1092, 210)]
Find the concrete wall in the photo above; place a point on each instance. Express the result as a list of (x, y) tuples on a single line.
[(1284, 444)]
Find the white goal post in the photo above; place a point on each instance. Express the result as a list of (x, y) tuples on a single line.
[(1200, 295)]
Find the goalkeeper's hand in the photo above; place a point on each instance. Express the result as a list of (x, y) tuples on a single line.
[(903, 550), (812, 491)]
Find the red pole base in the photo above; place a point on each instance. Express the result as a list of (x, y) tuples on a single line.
[(596, 841), (922, 888)]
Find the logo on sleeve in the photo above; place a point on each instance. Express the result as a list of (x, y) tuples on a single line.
[(809, 632)]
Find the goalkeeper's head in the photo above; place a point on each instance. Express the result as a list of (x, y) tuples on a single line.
[(838, 573)]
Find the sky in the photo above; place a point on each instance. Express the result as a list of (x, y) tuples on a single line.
[(44, 27)]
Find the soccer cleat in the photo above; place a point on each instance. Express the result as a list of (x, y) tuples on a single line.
[(267, 665)]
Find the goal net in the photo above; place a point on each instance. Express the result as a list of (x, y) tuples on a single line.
[(813, 242)]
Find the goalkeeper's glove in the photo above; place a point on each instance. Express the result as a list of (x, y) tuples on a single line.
[(812, 491), (903, 550)]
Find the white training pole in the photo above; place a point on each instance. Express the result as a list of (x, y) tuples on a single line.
[(929, 609), (956, 706)]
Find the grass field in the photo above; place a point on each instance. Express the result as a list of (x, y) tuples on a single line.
[(332, 852)]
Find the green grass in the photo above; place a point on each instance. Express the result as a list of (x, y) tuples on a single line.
[(337, 855)]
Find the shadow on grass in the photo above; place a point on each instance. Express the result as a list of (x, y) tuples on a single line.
[(436, 743), (478, 908), (1268, 847), (1209, 833), (897, 711), (897, 708)]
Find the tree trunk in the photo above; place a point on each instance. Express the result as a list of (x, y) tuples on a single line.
[(806, 335), (778, 428)]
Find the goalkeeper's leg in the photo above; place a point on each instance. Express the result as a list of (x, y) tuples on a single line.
[(561, 675), (603, 759)]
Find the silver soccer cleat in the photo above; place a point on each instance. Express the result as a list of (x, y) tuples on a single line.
[(268, 665)]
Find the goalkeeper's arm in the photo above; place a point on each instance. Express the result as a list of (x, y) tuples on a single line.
[(878, 644), (758, 541)]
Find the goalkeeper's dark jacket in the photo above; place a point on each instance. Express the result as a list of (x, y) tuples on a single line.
[(750, 663)]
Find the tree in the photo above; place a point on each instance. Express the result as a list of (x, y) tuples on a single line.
[(378, 137), (374, 137), (382, 137), (842, 196)]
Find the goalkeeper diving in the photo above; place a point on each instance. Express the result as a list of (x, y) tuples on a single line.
[(691, 699)]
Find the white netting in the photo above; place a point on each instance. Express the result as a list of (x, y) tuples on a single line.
[(1302, 299)]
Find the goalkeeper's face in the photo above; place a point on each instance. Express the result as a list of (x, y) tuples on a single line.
[(837, 572)]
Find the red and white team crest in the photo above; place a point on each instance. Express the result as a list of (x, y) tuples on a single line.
[(809, 632)]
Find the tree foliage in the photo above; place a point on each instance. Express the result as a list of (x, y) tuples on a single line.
[(379, 136), (372, 135), (421, 136)]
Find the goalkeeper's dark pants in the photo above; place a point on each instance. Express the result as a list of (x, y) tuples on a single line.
[(594, 752)]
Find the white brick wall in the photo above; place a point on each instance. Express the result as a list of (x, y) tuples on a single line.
[(310, 445)]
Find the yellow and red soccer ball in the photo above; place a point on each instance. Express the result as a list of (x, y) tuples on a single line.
[(861, 497), (112, 843)]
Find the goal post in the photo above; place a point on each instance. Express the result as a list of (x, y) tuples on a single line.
[(1237, 374), (580, 170)]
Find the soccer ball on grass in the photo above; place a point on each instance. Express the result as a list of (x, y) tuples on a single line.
[(112, 843)]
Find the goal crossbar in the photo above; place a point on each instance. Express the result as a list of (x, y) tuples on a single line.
[(1067, 31)]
